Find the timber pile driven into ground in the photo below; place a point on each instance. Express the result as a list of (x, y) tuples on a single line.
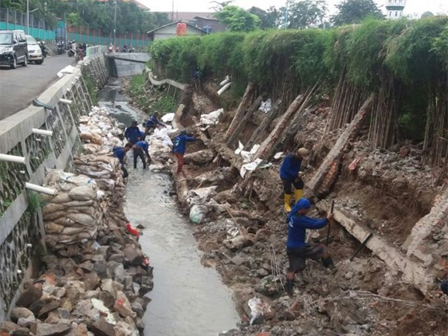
[(390, 196)]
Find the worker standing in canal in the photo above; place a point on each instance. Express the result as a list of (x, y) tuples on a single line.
[(152, 123), (132, 133), (290, 175), (139, 148), (120, 154), (180, 143), (296, 247)]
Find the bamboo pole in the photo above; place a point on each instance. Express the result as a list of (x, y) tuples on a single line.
[(240, 111)]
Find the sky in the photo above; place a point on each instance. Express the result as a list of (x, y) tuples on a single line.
[(412, 7)]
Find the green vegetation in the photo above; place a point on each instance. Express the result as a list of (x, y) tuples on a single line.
[(92, 90), (404, 63), (150, 102), (33, 202), (238, 19)]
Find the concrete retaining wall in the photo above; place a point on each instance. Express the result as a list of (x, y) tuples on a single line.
[(21, 226)]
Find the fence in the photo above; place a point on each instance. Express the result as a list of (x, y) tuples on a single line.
[(91, 36), (12, 19)]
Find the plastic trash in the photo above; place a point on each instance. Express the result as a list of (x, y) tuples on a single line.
[(212, 118), (266, 106), (168, 117), (249, 167), (198, 213), (257, 309), (132, 230)]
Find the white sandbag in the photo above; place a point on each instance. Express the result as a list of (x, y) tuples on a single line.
[(53, 228), (82, 219), (83, 193), (72, 230)]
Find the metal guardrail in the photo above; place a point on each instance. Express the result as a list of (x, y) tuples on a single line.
[(95, 50)]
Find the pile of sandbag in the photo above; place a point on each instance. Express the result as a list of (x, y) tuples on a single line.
[(74, 213), (99, 131), (104, 169)]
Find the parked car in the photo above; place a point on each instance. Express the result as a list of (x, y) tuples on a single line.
[(34, 50), (13, 48)]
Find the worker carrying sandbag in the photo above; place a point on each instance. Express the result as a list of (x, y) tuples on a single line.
[(296, 247), (290, 175), (133, 133), (152, 123), (179, 148), (120, 154), (139, 148)]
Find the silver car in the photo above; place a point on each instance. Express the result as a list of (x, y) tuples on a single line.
[(34, 51)]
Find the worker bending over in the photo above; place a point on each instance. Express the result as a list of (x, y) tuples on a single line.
[(120, 154), (290, 175), (296, 247), (139, 148), (152, 123), (179, 148)]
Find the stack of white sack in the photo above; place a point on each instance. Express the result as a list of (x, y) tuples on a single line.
[(99, 131), (104, 169), (74, 214)]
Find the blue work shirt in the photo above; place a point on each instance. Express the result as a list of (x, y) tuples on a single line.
[(297, 225), (143, 145), (290, 167), (180, 142), (119, 153), (152, 122), (132, 134)]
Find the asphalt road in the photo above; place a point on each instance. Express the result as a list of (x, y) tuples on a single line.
[(20, 86)]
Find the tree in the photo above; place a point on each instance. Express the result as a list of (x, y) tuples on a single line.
[(268, 19), (354, 11), (237, 19), (307, 14), (427, 14)]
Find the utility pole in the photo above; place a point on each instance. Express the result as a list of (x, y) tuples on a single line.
[(27, 17), (115, 23)]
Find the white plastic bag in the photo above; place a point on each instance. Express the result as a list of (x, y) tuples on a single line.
[(198, 213)]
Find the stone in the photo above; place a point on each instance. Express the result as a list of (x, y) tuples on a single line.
[(30, 295), (92, 294), (26, 321), (22, 332), (102, 328), (123, 306), (83, 308), (37, 306), (128, 282), (133, 256), (8, 327), (108, 286), (74, 289), (138, 308), (140, 325), (119, 273), (60, 292), (46, 329), (80, 330), (119, 258), (53, 318), (43, 312), (270, 286), (348, 275), (63, 313), (107, 298), (124, 329), (86, 266), (20, 312), (91, 281), (102, 270)]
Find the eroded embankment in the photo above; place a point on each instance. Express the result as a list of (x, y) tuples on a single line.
[(242, 226), (95, 275)]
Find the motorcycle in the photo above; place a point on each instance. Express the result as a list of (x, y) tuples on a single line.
[(44, 50), (71, 53), (61, 49)]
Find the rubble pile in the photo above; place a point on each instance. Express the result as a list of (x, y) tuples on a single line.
[(242, 231), (96, 275)]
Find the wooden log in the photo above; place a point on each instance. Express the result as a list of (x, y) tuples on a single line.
[(241, 110), (269, 144), (240, 127)]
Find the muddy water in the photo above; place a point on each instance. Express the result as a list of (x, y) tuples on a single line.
[(187, 299)]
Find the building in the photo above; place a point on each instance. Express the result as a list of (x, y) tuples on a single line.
[(201, 20), (171, 30), (395, 9)]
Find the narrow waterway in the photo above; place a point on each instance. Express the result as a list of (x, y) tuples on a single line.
[(187, 299)]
